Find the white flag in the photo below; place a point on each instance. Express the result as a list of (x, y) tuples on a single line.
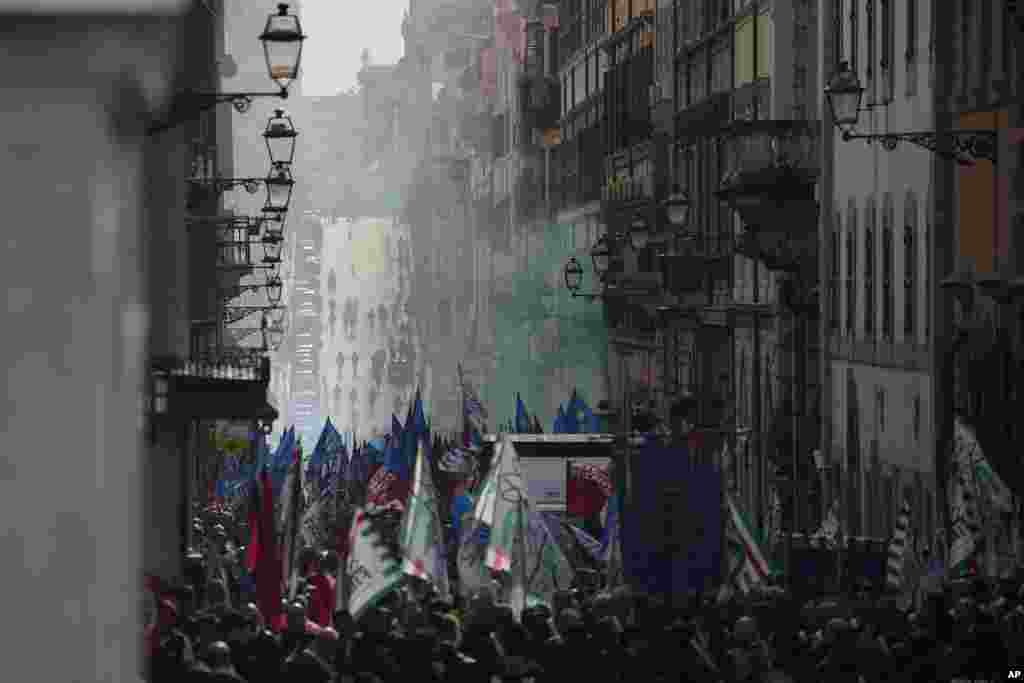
[(520, 542), (371, 574), (422, 531)]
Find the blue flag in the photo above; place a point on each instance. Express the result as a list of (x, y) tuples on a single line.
[(522, 417), (558, 427)]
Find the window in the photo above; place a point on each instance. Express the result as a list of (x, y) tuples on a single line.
[(854, 36), (833, 299), (917, 419), (869, 269), (837, 33), (910, 268), (721, 66), (697, 77), (888, 267), (880, 408), (886, 64), (851, 268), (872, 49), (927, 274), (911, 51)]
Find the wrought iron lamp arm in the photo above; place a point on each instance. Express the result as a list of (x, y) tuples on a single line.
[(233, 314), (190, 104), (238, 290), (967, 145), (220, 185)]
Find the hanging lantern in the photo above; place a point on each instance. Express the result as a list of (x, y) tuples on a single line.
[(601, 254), (280, 137), (272, 248), (275, 289), (279, 184), (282, 46), (573, 275)]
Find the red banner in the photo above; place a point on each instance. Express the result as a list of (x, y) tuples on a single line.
[(588, 489)]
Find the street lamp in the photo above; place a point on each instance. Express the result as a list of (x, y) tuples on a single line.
[(280, 137), (844, 93), (273, 335), (272, 247), (639, 233), (600, 255), (279, 183), (275, 289), (282, 46), (677, 207), (573, 275)]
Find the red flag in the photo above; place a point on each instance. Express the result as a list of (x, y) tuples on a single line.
[(588, 489), (268, 563), (254, 549)]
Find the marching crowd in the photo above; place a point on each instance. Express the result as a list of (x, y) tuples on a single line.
[(210, 630)]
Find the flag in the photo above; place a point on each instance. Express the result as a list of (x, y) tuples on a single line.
[(390, 484), (422, 537), (965, 512), (522, 423), (292, 509), (559, 426), (474, 415), (358, 475), (747, 564), (324, 459), (473, 536), (458, 461), (588, 490), (611, 545), (774, 522), (282, 460), (591, 545), (370, 573), (898, 548), (520, 543), (266, 561)]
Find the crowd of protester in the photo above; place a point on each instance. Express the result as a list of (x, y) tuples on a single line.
[(211, 630)]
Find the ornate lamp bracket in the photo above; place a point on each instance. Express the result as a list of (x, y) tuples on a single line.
[(968, 146)]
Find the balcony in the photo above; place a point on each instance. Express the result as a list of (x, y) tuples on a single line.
[(540, 102), (225, 385)]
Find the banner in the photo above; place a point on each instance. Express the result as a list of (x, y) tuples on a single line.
[(422, 538), (474, 536), (370, 573)]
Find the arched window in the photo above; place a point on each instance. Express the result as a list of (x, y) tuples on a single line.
[(910, 267)]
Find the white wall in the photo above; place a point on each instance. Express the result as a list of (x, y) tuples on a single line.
[(864, 173), (74, 335)]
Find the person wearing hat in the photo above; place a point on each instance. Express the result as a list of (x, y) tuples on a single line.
[(310, 663), (325, 588), (171, 651), (259, 658), (222, 670)]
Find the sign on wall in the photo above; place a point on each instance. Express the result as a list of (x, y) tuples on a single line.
[(545, 482)]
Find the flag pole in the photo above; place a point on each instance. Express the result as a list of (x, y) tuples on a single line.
[(523, 530)]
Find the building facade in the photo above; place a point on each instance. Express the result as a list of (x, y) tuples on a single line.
[(877, 240)]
